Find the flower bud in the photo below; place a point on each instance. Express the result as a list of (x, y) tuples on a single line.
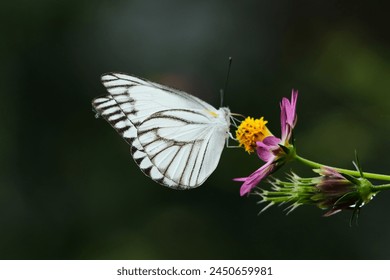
[(332, 191)]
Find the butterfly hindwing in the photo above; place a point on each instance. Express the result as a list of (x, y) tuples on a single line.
[(185, 145)]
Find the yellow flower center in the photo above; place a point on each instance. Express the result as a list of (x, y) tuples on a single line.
[(250, 131)]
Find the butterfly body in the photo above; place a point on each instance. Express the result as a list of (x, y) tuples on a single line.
[(175, 138)]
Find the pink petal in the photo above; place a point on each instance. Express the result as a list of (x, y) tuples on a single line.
[(290, 107), (266, 147), (256, 177), (271, 141), (242, 179), (288, 117)]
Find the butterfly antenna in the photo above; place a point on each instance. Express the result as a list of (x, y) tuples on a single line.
[(223, 91)]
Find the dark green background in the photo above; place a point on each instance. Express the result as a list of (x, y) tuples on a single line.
[(68, 186)]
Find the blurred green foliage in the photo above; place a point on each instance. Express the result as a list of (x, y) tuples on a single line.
[(68, 186)]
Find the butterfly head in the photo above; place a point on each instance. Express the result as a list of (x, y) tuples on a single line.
[(222, 115)]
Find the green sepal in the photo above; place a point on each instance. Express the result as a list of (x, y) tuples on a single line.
[(352, 179), (357, 165), (285, 149)]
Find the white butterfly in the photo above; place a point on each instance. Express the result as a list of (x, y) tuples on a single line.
[(175, 138)]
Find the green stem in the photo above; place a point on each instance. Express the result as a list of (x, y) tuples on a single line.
[(355, 173), (381, 187)]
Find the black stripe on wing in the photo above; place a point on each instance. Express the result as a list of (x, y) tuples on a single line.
[(107, 108)]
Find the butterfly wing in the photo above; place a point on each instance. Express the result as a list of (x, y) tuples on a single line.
[(107, 107), (185, 145), (176, 138), (139, 98)]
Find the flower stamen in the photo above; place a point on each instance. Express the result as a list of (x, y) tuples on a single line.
[(251, 131)]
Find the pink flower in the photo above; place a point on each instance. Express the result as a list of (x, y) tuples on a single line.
[(272, 150)]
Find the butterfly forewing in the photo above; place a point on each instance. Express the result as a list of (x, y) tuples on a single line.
[(176, 138)]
